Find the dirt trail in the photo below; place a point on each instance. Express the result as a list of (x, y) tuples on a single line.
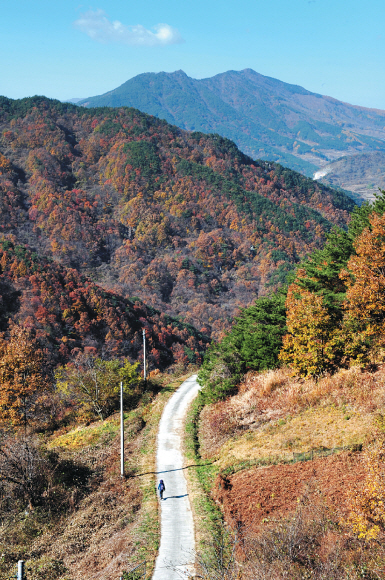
[(177, 528)]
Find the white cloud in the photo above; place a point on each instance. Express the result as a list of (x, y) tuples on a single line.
[(97, 26)]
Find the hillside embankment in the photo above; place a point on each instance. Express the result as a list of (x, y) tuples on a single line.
[(296, 466), (257, 496), (275, 415)]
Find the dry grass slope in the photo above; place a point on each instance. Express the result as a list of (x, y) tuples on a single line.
[(275, 414)]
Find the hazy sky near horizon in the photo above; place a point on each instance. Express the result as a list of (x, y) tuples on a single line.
[(64, 49)]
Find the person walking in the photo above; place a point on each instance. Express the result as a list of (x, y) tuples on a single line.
[(161, 488)]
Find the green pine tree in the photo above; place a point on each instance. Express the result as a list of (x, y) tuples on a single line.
[(253, 343)]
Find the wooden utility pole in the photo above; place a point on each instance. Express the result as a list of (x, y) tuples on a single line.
[(144, 355), (121, 431)]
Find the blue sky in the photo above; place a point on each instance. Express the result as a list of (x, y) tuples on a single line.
[(64, 49)]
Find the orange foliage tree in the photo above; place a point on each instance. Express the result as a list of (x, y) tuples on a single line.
[(365, 298), (23, 378)]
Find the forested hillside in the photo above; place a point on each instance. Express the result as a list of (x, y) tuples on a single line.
[(113, 222), (183, 220), (330, 317), (70, 314)]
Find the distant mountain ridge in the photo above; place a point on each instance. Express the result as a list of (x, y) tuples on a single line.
[(361, 174), (267, 118)]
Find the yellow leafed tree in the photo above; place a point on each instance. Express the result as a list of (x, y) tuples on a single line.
[(310, 344), (367, 515), (94, 382)]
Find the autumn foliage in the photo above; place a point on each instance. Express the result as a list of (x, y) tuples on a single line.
[(68, 315), (311, 343), (365, 296), (23, 377), (183, 220), (94, 383), (336, 316), (367, 501)]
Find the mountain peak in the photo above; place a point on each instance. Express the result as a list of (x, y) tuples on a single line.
[(179, 73)]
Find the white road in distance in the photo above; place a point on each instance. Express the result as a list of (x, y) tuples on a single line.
[(177, 542)]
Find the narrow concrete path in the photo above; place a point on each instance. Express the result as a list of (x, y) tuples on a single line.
[(177, 527)]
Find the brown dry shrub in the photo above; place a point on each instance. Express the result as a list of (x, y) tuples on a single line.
[(309, 544), (268, 381), (218, 426), (279, 389)]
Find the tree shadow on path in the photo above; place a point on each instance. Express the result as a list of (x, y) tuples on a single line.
[(166, 471)]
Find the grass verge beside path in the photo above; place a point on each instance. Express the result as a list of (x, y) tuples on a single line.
[(148, 535), (207, 516)]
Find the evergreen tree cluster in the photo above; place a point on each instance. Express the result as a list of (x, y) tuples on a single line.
[(253, 343)]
